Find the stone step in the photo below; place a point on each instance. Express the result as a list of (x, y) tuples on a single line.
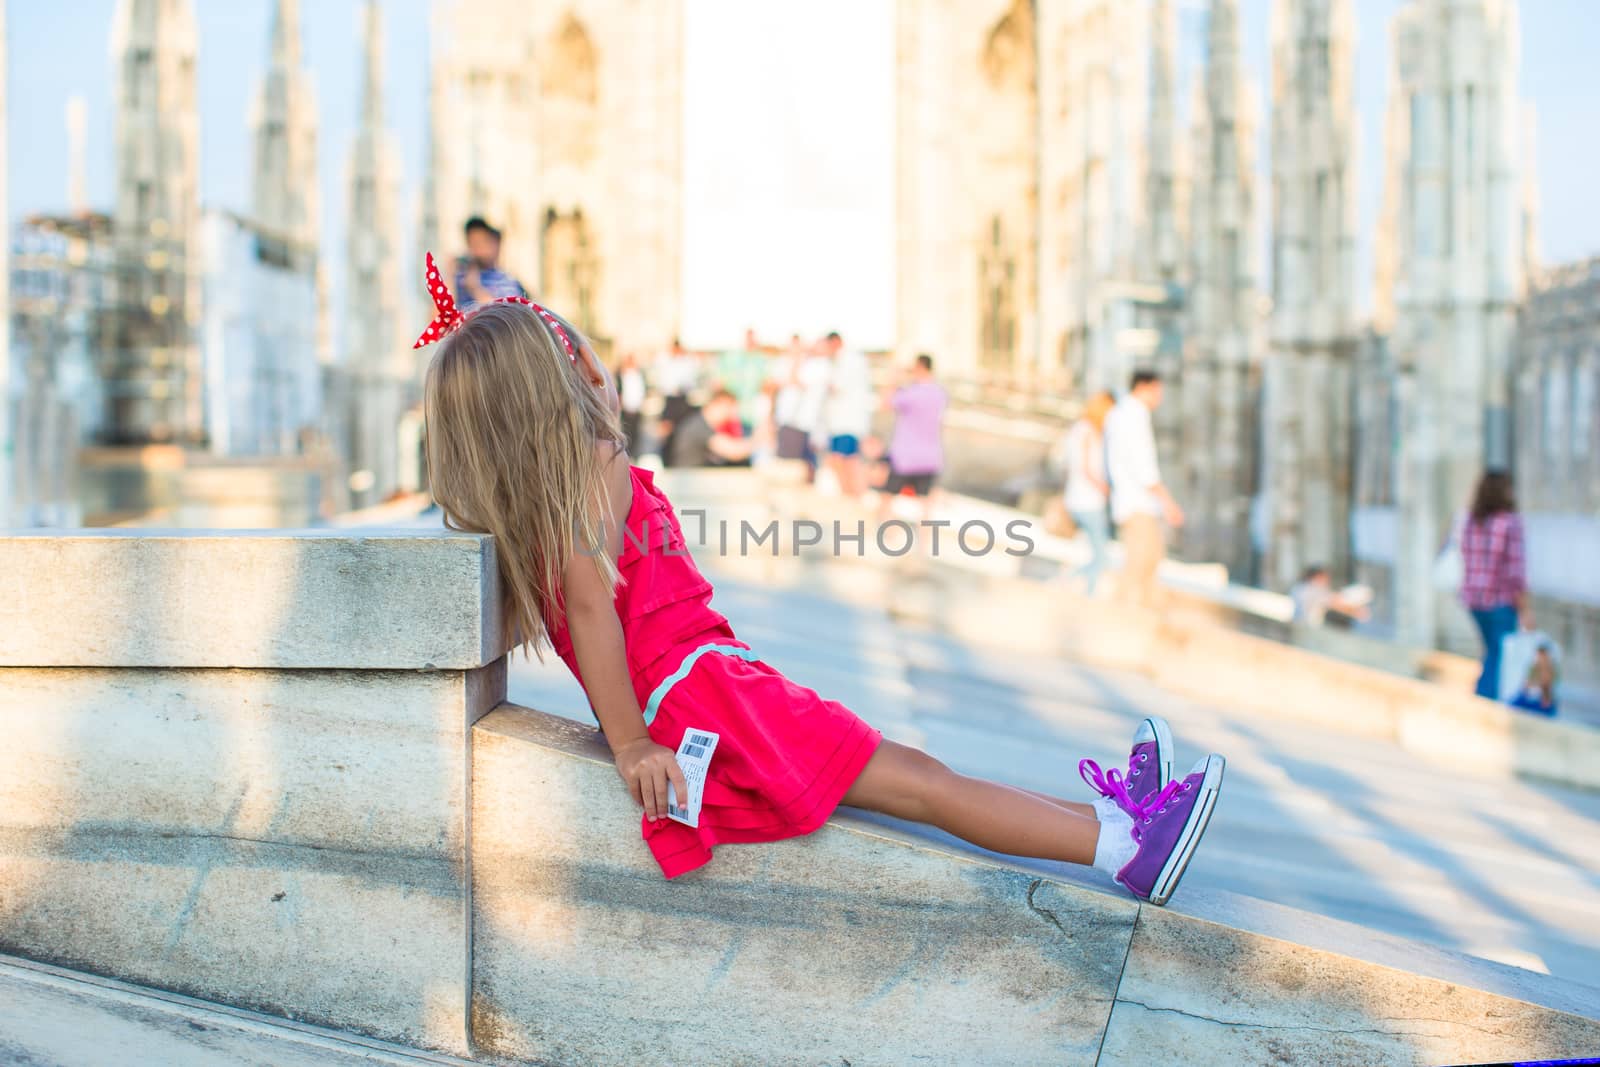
[(49, 1015)]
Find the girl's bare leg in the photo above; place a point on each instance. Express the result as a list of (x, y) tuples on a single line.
[(1086, 810), (910, 784)]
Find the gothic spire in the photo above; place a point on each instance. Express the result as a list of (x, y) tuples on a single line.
[(285, 179), (371, 65)]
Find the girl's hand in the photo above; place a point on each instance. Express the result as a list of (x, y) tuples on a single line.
[(647, 767)]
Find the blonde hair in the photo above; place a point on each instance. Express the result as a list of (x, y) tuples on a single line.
[(512, 426), (1097, 407)]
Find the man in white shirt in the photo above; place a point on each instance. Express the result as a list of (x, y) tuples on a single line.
[(848, 414), (815, 377), (783, 379), (1139, 500)]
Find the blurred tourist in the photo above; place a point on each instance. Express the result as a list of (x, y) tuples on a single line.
[(1537, 692), (765, 433), (848, 414), (631, 391), (712, 436), (479, 279), (743, 371), (1087, 491), (916, 445), (784, 376), (1139, 500), (1315, 599), (677, 374), (805, 434), (1494, 581)]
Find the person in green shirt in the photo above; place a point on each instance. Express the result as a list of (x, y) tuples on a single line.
[(742, 372)]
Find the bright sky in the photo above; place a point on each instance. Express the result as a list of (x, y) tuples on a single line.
[(789, 170), (789, 135)]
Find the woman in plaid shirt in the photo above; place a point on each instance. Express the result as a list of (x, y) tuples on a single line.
[(1494, 583)]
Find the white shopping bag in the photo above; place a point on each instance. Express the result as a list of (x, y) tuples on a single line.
[(1518, 651), (1448, 566)]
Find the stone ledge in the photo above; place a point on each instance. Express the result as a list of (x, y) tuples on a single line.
[(868, 943), (848, 943), (1190, 985), (1279, 923), (50, 1015), (294, 599), (287, 841)]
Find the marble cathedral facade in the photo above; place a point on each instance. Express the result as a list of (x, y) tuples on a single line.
[(1219, 386), (1036, 183), (284, 121), (1055, 229), (264, 375), (968, 183), (379, 375), (1309, 388), (1451, 267), (562, 125), (262, 307), (8, 472), (1556, 455), (1165, 250), (150, 363)]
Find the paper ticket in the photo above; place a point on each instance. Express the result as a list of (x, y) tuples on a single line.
[(694, 756)]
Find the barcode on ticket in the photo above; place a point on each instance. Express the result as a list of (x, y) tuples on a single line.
[(694, 755)]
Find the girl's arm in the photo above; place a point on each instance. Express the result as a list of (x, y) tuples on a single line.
[(602, 656), (597, 641)]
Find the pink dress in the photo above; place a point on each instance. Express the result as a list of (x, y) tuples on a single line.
[(786, 756)]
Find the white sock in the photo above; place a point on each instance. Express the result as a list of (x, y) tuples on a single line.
[(1116, 847), (1104, 807)]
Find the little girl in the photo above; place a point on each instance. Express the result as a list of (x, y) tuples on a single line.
[(523, 443)]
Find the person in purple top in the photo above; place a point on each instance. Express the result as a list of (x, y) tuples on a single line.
[(916, 447)]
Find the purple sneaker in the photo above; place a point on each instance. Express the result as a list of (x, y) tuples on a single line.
[(1152, 751), (1149, 769), (1168, 830)]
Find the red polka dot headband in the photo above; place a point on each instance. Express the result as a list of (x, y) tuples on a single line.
[(449, 316)]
